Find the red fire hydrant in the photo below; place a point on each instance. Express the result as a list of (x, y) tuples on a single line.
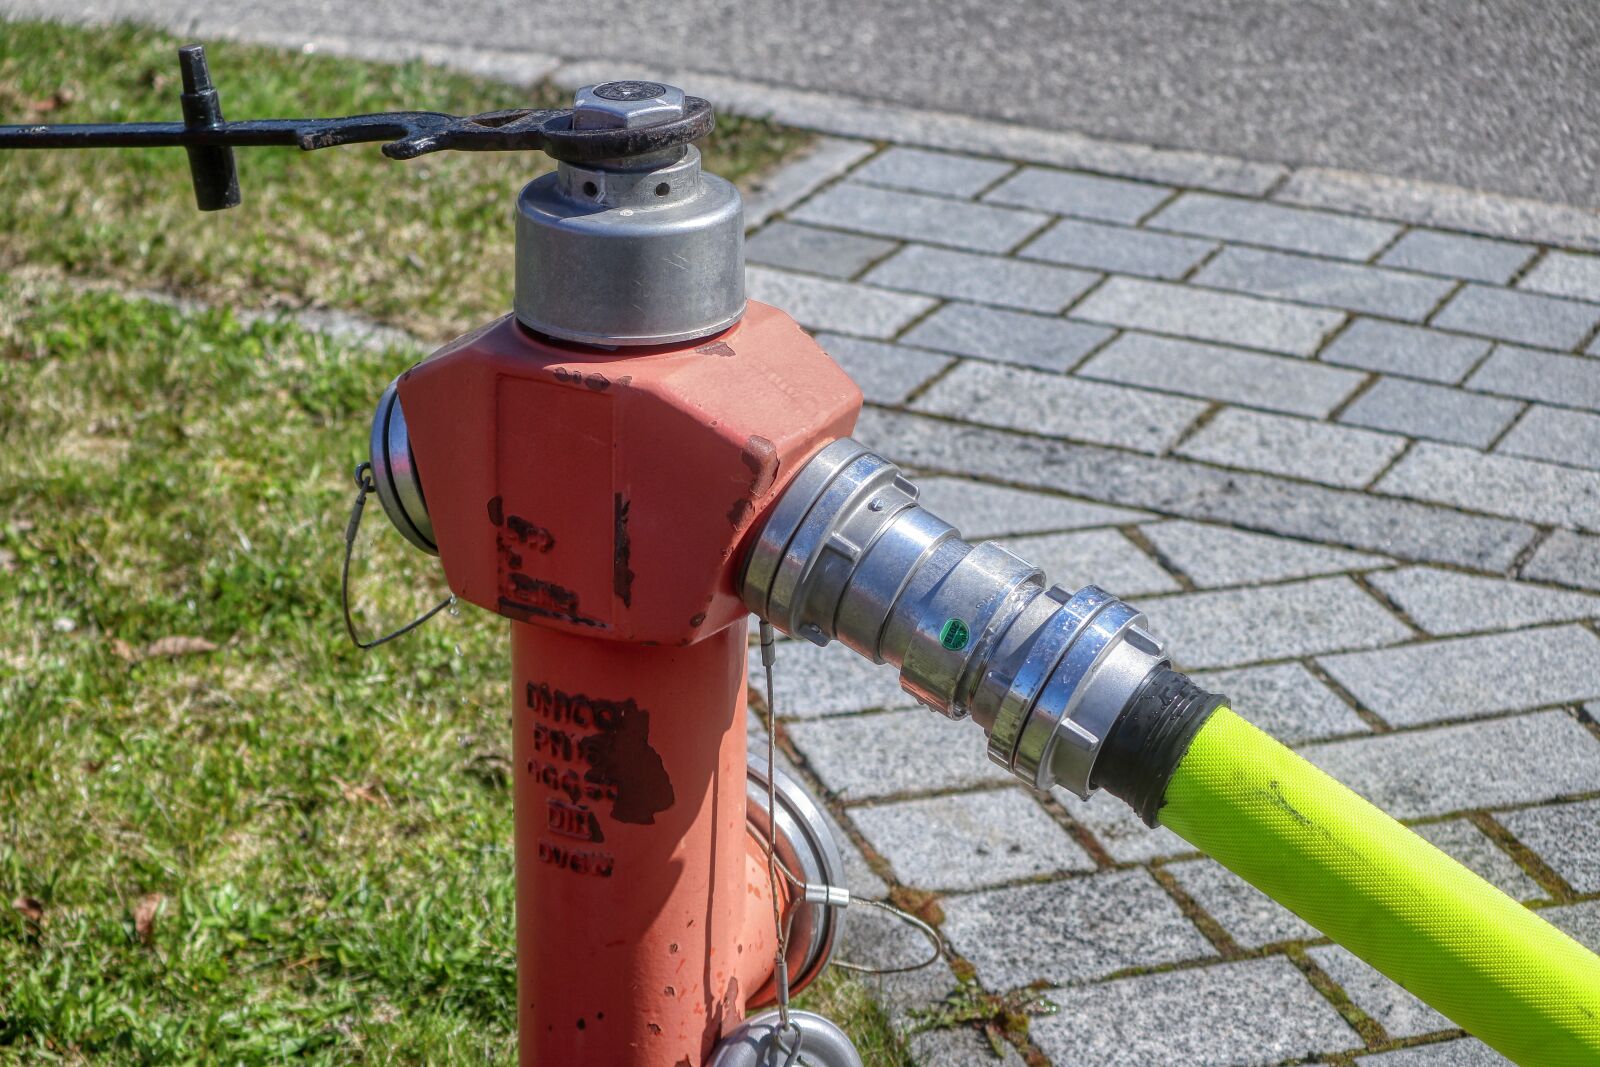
[(592, 467)]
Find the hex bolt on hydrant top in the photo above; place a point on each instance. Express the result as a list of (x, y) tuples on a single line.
[(634, 460)]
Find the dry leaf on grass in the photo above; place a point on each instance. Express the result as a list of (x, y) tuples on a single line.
[(371, 793), (54, 102), (144, 916), (165, 647), (32, 908), (178, 646)]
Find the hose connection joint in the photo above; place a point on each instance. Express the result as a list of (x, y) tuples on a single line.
[(848, 554)]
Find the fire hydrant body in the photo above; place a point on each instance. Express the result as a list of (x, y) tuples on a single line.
[(595, 465), (601, 499)]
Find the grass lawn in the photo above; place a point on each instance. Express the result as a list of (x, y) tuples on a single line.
[(226, 836)]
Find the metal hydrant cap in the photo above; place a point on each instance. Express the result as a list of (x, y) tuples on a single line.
[(646, 250)]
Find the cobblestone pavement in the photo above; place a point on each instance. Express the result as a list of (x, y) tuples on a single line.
[(1348, 465)]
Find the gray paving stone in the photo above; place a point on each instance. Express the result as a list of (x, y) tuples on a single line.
[(811, 168), (1099, 246), (1250, 917), (814, 250), (1478, 259), (1499, 485), (931, 172), (1570, 381), (1231, 375), (1565, 274), (809, 681), (872, 936), (846, 117), (1462, 1052), (1007, 336), (1203, 315), (1512, 315), (1300, 448), (915, 217), (886, 373), (1567, 558), (1203, 1017), (1217, 555), (986, 279), (1449, 602), (958, 1048), (1094, 557), (1396, 1010), (1286, 701), (1594, 347), (1261, 223), (1309, 280), (981, 510), (820, 304), (1084, 195), (1430, 204), (1408, 350), (1565, 836), (1239, 626), (1421, 409), (1037, 402), (1581, 922), (1555, 434), (1473, 849), (1415, 774), (1471, 676), (864, 756), (1120, 832), (970, 840), (859, 877), (1405, 529), (1070, 930)]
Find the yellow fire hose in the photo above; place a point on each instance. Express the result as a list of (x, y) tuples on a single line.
[(1446, 935)]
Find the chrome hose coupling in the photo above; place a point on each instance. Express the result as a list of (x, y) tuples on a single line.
[(1056, 678)]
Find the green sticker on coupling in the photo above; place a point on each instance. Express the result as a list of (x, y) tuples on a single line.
[(954, 635)]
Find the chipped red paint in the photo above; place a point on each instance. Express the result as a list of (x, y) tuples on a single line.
[(696, 445), (601, 499), (635, 897)]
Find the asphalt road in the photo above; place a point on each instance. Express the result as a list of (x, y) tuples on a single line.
[(1492, 94)]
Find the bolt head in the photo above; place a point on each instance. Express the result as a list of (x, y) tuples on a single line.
[(626, 105)]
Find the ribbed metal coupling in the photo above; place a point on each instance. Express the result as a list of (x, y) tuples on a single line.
[(848, 554)]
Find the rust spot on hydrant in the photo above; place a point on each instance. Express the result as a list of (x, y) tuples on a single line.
[(761, 456), (621, 574), (534, 536), (620, 756)]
